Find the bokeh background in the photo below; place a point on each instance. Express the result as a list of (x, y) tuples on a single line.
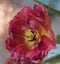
[(9, 8)]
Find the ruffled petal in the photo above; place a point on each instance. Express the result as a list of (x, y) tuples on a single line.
[(30, 34)]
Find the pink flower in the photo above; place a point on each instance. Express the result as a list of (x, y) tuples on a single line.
[(30, 34)]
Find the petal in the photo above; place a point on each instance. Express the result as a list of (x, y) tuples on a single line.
[(10, 44), (19, 51), (40, 13), (33, 54), (46, 43), (19, 23)]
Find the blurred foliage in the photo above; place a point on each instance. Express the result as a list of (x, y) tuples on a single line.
[(49, 8), (53, 60), (58, 38)]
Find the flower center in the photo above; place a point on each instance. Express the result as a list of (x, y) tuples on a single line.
[(31, 37)]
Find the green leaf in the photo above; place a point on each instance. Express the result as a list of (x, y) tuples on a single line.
[(51, 9), (58, 39)]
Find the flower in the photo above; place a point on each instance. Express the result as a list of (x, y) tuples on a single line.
[(30, 34)]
